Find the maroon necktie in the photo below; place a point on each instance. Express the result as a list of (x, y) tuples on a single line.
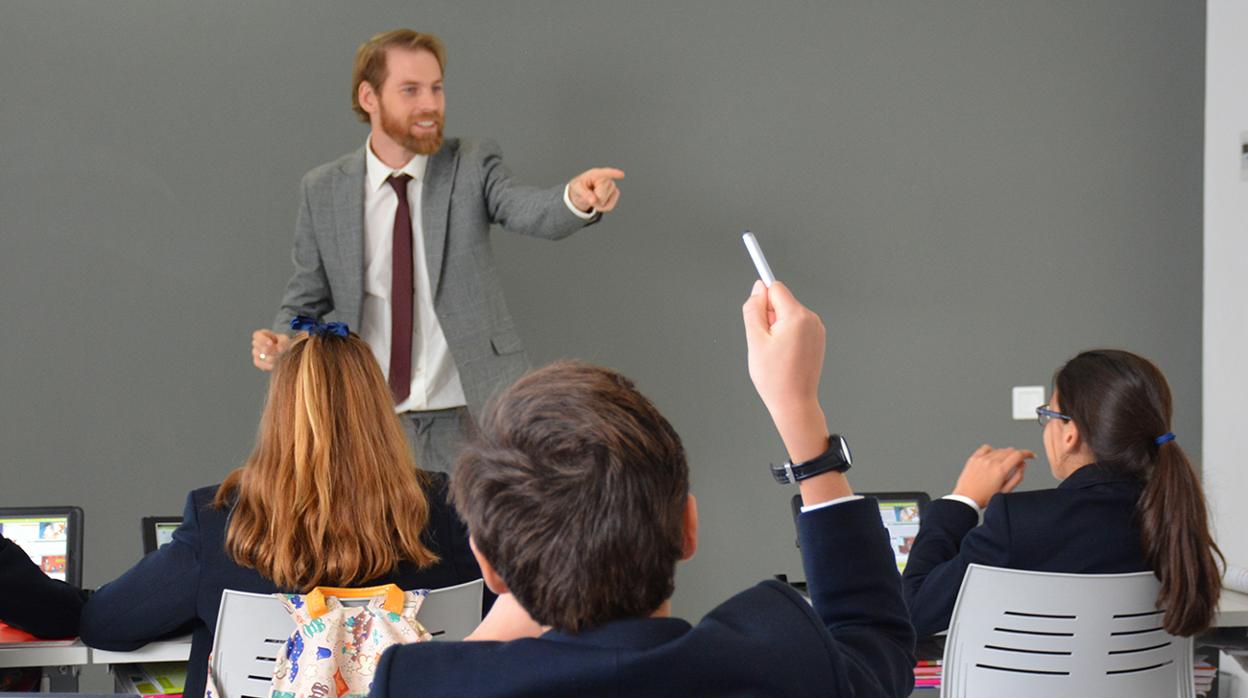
[(401, 294)]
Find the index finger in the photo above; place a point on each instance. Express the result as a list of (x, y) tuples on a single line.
[(600, 172)]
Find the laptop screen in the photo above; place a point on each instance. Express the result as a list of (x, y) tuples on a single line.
[(52, 537), (158, 530), (164, 533), (900, 512), (901, 515)]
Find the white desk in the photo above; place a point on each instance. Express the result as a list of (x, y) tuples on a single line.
[(175, 650), (1232, 610), (75, 654), (59, 663)]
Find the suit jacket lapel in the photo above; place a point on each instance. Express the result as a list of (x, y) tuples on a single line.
[(435, 207), (349, 221)]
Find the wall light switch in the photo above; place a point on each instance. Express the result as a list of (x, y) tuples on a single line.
[(1026, 399)]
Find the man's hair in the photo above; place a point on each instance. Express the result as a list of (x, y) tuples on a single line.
[(370, 59), (574, 490), (330, 495)]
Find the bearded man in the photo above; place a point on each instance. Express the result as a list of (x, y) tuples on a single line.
[(393, 240)]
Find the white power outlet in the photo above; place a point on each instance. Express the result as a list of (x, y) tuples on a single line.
[(1026, 399)]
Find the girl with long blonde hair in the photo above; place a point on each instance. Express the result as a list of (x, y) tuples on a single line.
[(330, 496)]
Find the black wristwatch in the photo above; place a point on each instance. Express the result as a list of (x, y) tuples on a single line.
[(836, 459)]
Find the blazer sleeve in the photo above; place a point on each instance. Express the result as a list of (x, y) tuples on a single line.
[(852, 579), (524, 209), (32, 601), (308, 291), (948, 542), (154, 599)]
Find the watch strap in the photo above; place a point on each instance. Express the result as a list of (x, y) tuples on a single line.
[(831, 460)]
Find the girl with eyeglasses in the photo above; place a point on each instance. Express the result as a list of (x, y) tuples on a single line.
[(1129, 501)]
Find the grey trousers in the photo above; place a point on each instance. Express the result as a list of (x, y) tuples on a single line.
[(436, 436)]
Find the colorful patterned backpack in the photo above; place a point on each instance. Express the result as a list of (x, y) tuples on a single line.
[(334, 649)]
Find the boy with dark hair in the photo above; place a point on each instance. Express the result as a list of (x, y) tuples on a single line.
[(576, 497)]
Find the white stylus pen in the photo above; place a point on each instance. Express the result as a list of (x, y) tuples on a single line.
[(760, 262)]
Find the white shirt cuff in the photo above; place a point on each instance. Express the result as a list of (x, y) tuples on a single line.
[(965, 500), (831, 502), (567, 200)]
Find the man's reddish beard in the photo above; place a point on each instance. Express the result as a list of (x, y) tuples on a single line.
[(400, 131)]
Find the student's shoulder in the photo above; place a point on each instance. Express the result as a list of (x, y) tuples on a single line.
[(439, 668), (1024, 502), (203, 497), (1022, 512), (770, 607), (202, 510)]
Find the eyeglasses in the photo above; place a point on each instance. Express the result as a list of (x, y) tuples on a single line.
[(1044, 414)]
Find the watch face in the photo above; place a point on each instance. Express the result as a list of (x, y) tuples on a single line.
[(849, 459)]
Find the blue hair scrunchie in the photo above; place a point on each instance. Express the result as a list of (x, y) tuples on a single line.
[(303, 323), (1168, 436)]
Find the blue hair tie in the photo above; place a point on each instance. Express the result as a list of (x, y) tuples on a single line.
[(1168, 436), (303, 323)]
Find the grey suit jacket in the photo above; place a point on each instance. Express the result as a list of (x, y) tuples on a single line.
[(466, 188)]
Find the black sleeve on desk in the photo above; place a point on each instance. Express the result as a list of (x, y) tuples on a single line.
[(154, 599), (32, 601)]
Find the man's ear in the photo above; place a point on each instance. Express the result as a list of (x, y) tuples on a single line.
[(689, 545), (367, 97), (492, 580)]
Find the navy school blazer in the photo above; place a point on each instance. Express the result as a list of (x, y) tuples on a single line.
[(1084, 526), (177, 589), (856, 640)]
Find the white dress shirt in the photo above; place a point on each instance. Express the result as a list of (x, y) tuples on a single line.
[(965, 500), (832, 502), (435, 379)]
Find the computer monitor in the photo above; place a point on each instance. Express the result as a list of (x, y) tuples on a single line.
[(900, 512), (158, 530), (51, 536)]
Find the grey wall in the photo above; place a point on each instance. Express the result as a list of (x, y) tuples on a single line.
[(969, 192)]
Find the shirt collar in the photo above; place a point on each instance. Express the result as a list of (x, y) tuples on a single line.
[(1095, 474), (377, 172)]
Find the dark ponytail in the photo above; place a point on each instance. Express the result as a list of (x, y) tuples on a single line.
[(1122, 405)]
